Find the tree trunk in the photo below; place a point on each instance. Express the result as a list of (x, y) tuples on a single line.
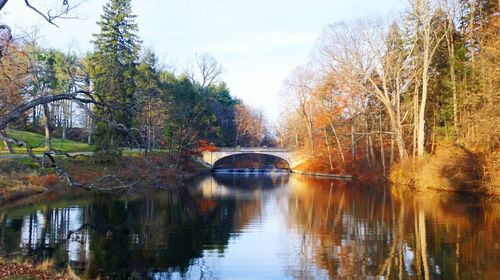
[(372, 151), (34, 121), (453, 85), (368, 143), (310, 135), (392, 150), (353, 144), (451, 60), (48, 128), (415, 121), (429, 47), (471, 33), (70, 114), (91, 126), (329, 150), (341, 150), (398, 136), (423, 100), (237, 137), (382, 154)]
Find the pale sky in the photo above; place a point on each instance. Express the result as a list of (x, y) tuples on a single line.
[(258, 42)]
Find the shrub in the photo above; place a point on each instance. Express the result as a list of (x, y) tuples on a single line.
[(451, 168), (403, 174), (491, 174)]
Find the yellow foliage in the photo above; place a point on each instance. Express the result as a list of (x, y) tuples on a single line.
[(451, 168), (46, 265), (403, 174), (491, 174)]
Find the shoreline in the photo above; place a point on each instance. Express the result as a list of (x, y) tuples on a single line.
[(21, 179), (27, 180), (323, 175)]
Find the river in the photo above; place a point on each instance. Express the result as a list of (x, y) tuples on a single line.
[(258, 226)]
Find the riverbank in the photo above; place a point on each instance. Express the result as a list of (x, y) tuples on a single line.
[(323, 175), (451, 168), (21, 177), (26, 270)]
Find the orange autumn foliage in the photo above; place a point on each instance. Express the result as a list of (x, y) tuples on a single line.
[(204, 146), (42, 180)]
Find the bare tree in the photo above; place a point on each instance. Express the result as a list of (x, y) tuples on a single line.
[(58, 11), (360, 53), (428, 39), (250, 124), (301, 84), (209, 70), (61, 10)]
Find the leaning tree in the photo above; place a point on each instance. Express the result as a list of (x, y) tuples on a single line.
[(82, 95)]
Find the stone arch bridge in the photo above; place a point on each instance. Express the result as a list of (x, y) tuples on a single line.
[(292, 158)]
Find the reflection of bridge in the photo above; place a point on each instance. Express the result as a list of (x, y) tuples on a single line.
[(292, 158)]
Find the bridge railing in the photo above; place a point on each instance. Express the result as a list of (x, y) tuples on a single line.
[(251, 149)]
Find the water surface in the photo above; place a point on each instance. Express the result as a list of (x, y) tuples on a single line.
[(258, 226)]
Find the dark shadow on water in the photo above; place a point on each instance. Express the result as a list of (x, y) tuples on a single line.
[(251, 181), (124, 237)]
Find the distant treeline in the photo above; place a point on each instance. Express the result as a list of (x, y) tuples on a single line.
[(121, 95)]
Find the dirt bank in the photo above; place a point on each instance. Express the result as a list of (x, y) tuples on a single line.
[(20, 177)]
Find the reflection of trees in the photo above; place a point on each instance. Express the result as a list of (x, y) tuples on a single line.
[(128, 237), (358, 232)]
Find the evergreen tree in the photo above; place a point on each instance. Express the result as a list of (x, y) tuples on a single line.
[(114, 70), (150, 104)]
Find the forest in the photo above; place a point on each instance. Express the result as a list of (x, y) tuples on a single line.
[(415, 99), (119, 96)]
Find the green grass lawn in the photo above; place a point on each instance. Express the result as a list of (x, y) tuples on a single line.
[(36, 139)]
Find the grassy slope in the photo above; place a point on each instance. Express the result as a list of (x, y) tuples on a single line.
[(37, 140)]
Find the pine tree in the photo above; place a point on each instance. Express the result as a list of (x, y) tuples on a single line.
[(114, 71)]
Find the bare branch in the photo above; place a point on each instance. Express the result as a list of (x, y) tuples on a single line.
[(210, 69), (2, 3)]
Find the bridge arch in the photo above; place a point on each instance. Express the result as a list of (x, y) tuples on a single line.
[(292, 158), (252, 157)]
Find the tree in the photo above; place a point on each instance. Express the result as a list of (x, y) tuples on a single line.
[(43, 81), (429, 39), (329, 98), (188, 118), (13, 68), (300, 85), (150, 105), (114, 74), (209, 71), (223, 105), (450, 9), (373, 61), (255, 131)]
